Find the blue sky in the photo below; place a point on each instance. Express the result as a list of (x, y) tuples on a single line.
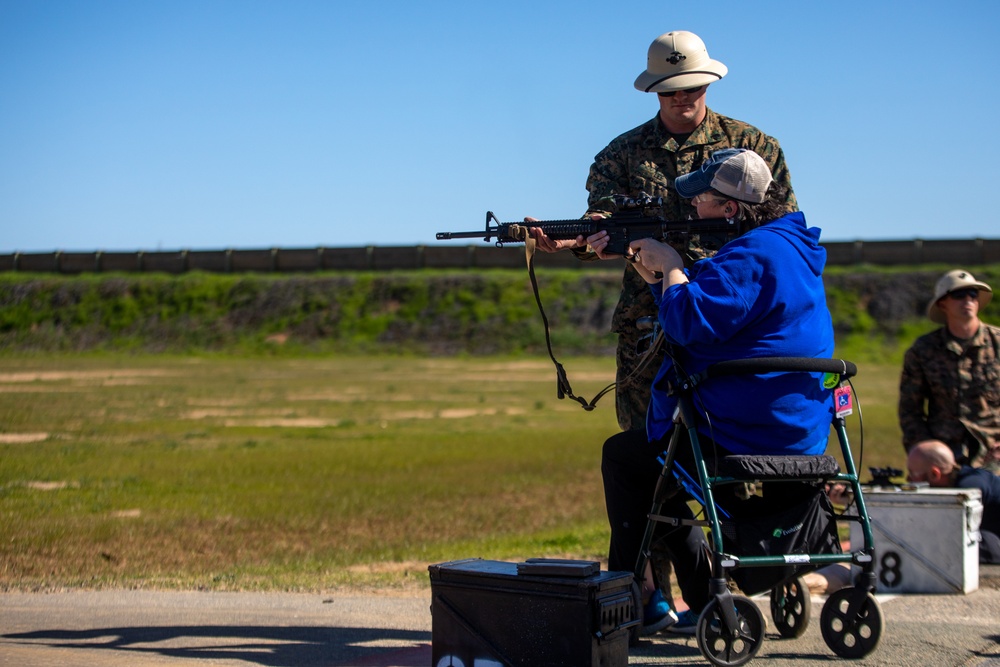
[(210, 124)]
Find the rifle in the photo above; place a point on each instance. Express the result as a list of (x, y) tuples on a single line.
[(882, 477), (629, 222)]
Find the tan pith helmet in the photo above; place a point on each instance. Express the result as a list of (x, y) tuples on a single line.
[(676, 61), (956, 280)]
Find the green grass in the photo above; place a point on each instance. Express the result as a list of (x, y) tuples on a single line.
[(229, 473)]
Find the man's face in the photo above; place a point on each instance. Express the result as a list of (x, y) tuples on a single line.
[(919, 469), (916, 472), (960, 305), (684, 110)]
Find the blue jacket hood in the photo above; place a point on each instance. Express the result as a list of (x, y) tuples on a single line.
[(805, 240)]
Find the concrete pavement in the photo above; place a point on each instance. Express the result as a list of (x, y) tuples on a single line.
[(128, 628)]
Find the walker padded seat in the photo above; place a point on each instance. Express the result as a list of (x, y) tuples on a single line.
[(764, 468)]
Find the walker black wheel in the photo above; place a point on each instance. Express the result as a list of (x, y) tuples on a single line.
[(851, 637), (730, 649), (790, 608)]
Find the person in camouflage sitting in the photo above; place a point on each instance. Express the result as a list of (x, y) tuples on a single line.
[(949, 389)]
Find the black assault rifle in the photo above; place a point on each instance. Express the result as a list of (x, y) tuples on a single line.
[(629, 222)]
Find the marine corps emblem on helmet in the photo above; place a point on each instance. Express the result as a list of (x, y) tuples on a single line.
[(678, 60)]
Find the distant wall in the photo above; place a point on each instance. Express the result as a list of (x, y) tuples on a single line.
[(968, 252)]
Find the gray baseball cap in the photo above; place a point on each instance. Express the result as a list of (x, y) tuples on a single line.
[(735, 172)]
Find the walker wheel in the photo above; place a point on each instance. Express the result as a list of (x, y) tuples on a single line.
[(790, 608), (856, 637), (738, 647)]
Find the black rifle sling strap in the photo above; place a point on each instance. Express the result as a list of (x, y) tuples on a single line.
[(563, 388)]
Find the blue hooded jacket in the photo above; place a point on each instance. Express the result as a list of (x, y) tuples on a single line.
[(761, 295)]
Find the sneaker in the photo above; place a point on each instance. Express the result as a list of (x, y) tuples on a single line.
[(687, 623), (656, 615)]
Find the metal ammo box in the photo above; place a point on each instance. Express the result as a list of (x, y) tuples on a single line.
[(540, 612), (926, 539)]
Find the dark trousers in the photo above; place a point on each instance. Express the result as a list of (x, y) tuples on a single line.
[(989, 547), (631, 471)]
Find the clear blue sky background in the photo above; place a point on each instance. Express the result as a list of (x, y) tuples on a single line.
[(209, 124)]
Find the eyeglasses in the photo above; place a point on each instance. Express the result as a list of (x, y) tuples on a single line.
[(689, 91), (962, 294), (707, 196)]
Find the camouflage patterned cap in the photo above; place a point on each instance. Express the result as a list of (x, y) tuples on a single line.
[(955, 280), (678, 60)]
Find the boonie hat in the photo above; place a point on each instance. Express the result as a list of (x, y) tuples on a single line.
[(676, 61), (956, 280), (735, 172)]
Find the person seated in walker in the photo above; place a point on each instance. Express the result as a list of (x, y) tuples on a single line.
[(762, 295)]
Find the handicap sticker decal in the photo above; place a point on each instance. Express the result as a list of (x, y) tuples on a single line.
[(842, 399)]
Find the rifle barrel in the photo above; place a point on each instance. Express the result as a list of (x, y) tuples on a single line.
[(444, 236)]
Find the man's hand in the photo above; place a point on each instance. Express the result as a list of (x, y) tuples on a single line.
[(598, 243), (545, 244), (839, 493)]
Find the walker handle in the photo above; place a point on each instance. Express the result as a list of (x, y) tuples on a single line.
[(842, 367)]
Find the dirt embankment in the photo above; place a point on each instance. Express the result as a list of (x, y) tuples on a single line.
[(486, 312)]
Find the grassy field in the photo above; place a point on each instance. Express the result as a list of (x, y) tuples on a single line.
[(308, 474)]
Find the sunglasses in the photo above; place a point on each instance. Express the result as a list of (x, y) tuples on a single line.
[(689, 91), (961, 294)]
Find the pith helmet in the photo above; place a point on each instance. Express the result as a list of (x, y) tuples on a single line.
[(955, 280), (678, 60)]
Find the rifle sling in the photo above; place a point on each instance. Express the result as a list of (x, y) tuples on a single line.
[(563, 388)]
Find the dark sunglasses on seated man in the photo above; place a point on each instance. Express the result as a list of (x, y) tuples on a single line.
[(961, 294)]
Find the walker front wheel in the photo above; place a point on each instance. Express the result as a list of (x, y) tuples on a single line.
[(850, 636), (730, 648)]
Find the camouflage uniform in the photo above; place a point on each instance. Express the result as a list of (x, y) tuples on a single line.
[(949, 390), (648, 159)]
